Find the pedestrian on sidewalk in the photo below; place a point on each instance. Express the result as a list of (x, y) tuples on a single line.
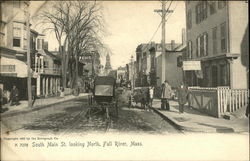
[(61, 92), (247, 110), (151, 95), (14, 96), (33, 92), (182, 93), (165, 95)]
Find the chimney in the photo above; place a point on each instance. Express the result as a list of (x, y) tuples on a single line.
[(183, 36), (172, 44)]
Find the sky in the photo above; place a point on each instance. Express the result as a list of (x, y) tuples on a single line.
[(130, 23)]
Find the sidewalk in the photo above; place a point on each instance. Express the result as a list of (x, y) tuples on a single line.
[(192, 120), (39, 104)]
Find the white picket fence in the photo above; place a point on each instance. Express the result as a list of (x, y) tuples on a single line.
[(228, 100)]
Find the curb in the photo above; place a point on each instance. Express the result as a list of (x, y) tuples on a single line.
[(36, 108), (177, 126), (193, 129)]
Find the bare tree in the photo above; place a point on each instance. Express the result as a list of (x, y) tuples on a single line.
[(77, 25)]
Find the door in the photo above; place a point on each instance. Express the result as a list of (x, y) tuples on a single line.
[(214, 76)]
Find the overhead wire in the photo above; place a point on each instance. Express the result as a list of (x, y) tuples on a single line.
[(161, 21)]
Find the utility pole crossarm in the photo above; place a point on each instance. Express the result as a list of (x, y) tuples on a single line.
[(160, 10)]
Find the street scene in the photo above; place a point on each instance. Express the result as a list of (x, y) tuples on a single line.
[(104, 67)]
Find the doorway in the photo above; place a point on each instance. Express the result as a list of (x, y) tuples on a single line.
[(214, 76)]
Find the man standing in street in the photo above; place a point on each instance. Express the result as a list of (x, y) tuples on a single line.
[(14, 96), (165, 95), (182, 97)]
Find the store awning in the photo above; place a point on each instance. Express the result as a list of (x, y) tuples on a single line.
[(13, 68)]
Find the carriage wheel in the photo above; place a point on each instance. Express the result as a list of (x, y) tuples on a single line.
[(107, 113), (116, 109)]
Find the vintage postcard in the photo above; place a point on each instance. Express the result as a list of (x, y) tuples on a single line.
[(124, 80)]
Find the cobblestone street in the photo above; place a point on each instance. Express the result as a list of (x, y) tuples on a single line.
[(72, 117)]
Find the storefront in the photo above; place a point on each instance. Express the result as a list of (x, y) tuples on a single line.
[(14, 72)]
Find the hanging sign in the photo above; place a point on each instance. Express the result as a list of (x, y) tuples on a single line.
[(191, 65)]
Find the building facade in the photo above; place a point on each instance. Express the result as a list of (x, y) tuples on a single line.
[(44, 67), (13, 46), (149, 64), (215, 37), (47, 68)]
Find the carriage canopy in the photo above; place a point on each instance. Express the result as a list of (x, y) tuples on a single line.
[(104, 86)]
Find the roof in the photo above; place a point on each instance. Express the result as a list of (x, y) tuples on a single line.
[(157, 46), (52, 55), (181, 47), (105, 80)]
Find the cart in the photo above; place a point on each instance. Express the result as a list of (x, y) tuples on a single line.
[(104, 96)]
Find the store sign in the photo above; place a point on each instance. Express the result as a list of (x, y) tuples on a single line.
[(8, 68), (191, 65), (8, 74)]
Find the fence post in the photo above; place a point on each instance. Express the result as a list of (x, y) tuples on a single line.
[(218, 102)]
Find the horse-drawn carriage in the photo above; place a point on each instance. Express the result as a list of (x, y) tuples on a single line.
[(104, 98)]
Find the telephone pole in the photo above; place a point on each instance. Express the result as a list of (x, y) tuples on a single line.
[(28, 58), (163, 15)]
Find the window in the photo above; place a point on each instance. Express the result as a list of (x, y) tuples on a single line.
[(17, 37), (16, 42), (190, 49), (223, 75), (206, 76), (201, 11), (205, 46), (212, 7), (198, 51), (40, 44), (45, 64), (2, 34), (189, 19), (221, 4), (202, 46), (214, 39), (24, 44), (223, 37)]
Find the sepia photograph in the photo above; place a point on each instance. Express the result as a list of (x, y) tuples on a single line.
[(124, 80)]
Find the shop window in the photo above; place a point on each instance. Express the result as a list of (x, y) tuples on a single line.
[(214, 39), (212, 7), (214, 76), (223, 75), (223, 37), (206, 76)]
